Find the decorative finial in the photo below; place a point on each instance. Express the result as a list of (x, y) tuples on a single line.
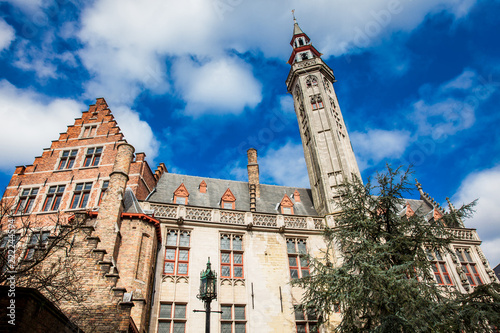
[(419, 186), (293, 15)]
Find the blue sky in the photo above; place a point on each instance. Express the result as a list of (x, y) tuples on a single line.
[(196, 83)]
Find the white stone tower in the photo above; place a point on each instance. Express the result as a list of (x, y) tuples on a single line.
[(328, 152)]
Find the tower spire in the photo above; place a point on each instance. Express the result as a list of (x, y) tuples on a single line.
[(328, 152), (296, 28)]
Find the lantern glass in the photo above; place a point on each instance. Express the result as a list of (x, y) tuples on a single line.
[(211, 287), (203, 287)]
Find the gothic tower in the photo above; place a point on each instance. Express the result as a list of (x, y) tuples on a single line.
[(327, 149)]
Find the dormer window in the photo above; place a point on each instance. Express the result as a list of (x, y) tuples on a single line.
[(203, 187), (286, 205), (228, 200), (181, 195), (296, 196)]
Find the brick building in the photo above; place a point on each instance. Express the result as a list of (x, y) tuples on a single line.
[(147, 234)]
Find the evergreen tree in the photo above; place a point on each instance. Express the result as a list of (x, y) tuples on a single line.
[(384, 282)]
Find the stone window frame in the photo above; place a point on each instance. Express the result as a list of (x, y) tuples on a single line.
[(296, 262), (469, 266), (37, 241), (173, 321), (305, 320), (89, 131), (26, 201), (311, 81), (231, 256), (67, 159), (53, 198), (177, 247), (439, 267), (232, 319), (92, 156), (316, 102), (81, 195)]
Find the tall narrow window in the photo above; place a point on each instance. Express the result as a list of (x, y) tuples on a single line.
[(297, 261), (177, 253), (439, 267), (231, 256), (172, 318), (104, 189), (53, 198), (306, 321), (469, 266), (26, 200), (81, 195), (92, 157), (67, 159), (233, 319)]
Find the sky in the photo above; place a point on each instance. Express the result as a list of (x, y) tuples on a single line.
[(195, 83)]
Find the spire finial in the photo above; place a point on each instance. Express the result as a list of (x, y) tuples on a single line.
[(293, 15)]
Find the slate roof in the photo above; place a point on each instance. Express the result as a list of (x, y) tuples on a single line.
[(270, 195), (131, 203)]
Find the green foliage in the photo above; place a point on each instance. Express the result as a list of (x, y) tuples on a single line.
[(385, 281)]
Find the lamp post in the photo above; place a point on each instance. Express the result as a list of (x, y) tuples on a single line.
[(208, 292)]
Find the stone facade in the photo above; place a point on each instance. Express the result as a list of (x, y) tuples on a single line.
[(145, 235)]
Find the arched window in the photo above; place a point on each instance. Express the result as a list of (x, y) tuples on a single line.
[(316, 102), (311, 81)]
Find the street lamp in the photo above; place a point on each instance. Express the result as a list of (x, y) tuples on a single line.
[(208, 292)]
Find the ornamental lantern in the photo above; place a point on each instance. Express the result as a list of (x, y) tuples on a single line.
[(208, 284), (208, 292)]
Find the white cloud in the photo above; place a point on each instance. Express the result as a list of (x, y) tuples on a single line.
[(466, 80), (137, 132), (376, 144), (29, 117), (485, 186), (127, 42), (443, 118), (7, 34), (450, 107), (219, 86), (285, 164)]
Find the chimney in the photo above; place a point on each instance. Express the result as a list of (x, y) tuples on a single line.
[(253, 176)]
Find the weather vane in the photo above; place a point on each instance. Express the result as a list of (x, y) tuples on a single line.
[(293, 14)]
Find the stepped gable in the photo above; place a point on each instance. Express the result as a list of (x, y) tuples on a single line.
[(270, 195)]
